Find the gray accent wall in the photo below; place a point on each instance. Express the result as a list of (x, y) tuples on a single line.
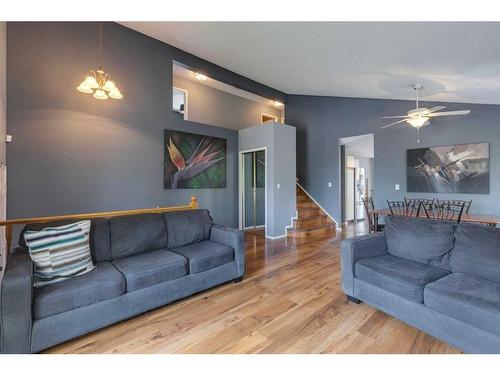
[(72, 153), (3, 89), (321, 121), (3, 117), (279, 141)]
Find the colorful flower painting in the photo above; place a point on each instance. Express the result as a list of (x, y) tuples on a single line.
[(194, 161)]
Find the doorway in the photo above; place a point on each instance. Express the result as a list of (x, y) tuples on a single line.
[(357, 175), (253, 192)]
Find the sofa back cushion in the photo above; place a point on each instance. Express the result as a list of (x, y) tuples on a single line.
[(99, 236), (477, 251), (137, 234), (187, 227), (420, 240)]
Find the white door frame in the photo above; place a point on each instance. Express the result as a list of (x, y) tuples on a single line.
[(241, 179)]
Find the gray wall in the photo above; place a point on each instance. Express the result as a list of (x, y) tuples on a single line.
[(72, 153), (321, 121), (3, 115), (208, 105), (279, 141), (3, 88)]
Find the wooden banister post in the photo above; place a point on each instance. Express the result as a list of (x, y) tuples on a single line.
[(8, 238), (194, 202)]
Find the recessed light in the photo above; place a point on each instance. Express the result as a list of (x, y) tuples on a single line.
[(200, 77)]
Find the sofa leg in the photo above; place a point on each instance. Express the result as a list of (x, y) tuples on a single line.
[(238, 279), (353, 300)]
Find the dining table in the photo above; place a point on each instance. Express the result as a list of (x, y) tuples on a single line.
[(491, 220)]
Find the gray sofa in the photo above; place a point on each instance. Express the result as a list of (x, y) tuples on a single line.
[(440, 277), (143, 262)]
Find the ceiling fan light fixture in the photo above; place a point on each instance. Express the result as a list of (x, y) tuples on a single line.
[(417, 122)]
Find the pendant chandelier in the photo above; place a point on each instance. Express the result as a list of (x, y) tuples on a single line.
[(98, 82)]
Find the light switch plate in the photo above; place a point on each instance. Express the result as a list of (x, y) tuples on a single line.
[(329, 184), (396, 186), (277, 186)]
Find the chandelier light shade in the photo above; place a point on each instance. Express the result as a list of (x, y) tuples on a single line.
[(100, 85)]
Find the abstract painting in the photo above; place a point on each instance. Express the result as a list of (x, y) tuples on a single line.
[(449, 169), (194, 161)]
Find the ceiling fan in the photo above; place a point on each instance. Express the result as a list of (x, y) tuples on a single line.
[(419, 117)]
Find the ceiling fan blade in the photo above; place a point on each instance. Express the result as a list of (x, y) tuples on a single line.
[(450, 113), (394, 123), (435, 109), (394, 117)]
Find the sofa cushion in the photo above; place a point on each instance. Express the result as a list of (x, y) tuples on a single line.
[(99, 236), (418, 239), (149, 269), (136, 234), (59, 253), (477, 251), (104, 282), (187, 227), (467, 298), (205, 255), (399, 276)]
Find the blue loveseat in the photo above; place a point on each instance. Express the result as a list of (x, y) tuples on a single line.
[(440, 277), (142, 262)]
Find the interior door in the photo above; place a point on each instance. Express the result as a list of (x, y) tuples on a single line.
[(254, 189), (350, 182)]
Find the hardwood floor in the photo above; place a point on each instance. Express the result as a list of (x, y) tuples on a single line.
[(290, 302)]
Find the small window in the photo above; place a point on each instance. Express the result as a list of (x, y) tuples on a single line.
[(265, 118), (180, 101)]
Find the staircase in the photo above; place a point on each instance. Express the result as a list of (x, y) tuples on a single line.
[(311, 221)]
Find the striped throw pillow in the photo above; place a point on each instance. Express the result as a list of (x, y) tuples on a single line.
[(60, 253)]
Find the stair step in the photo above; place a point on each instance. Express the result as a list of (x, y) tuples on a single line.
[(327, 228), (311, 221), (310, 204), (303, 198), (308, 212)]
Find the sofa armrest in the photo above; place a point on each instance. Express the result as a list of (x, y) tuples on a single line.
[(356, 248), (234, 238), (16, 303)]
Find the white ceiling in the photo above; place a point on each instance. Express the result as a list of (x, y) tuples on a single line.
[(359, 145), (455, 61)]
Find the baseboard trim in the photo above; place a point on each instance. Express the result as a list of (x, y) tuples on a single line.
[(257, 227), (286, 228)]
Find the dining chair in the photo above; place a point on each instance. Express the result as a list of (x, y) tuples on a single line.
[(400, 208), (369, 208), (416, 201), (444, 210), (467, 204)]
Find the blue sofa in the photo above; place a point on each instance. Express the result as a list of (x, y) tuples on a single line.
[(440, 277), (142, 262)]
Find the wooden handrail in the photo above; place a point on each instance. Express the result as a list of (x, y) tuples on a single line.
[(8, 224)]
